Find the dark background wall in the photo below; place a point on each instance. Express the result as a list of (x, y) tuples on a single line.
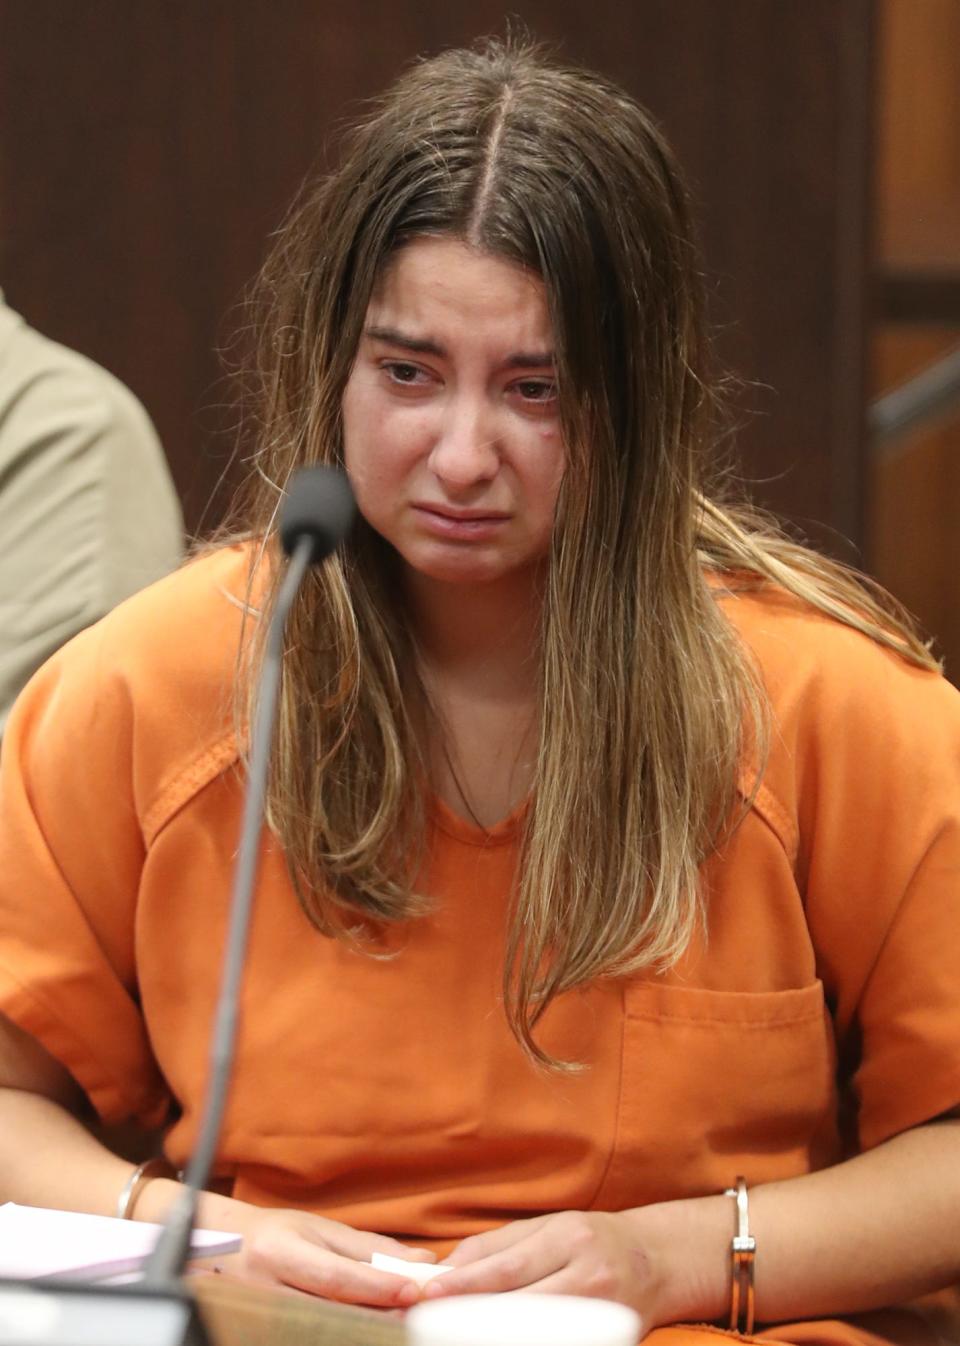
[(913, 487), (148, 148)]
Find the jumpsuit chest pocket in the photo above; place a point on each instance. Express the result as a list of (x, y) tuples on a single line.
[(717, 1083)]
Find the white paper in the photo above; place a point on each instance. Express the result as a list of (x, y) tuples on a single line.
[(36, 1243), (421, 1272)]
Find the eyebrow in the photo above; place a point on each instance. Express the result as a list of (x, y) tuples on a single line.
[(423, 346)]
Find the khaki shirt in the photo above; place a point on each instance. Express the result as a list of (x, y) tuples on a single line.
[(88, 512)]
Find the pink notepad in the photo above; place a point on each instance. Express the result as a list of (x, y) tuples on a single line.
[(36, 1244)]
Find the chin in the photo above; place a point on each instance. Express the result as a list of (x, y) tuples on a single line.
[(460, 574), (449, 567)]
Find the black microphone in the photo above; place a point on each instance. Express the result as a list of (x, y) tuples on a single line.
[(316, 516), (319, 505)]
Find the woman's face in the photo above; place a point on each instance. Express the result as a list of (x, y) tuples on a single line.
[(450, 417)]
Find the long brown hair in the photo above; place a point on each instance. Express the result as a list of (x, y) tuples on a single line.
[(648, 704)]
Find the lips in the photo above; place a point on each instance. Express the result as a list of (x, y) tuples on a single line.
[(460, 525), (462, 515)]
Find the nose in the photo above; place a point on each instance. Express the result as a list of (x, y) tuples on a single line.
[(466, 451)]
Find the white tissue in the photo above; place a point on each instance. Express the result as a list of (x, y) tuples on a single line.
[(421, 1272)]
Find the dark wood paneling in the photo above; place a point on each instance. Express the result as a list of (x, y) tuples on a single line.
[(915, 297), (914, 487), (147, 148)]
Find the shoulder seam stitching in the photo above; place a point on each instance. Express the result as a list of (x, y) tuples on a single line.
[(189, 781), (773, 813)]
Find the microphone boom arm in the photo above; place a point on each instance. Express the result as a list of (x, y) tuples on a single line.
[(172, 1249)]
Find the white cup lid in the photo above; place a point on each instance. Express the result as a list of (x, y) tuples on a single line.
[(521, 1319)]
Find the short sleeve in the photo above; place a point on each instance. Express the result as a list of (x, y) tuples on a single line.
[(909, 1013), (71, 852), (880, 830)]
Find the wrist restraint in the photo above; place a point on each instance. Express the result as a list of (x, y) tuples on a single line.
[(137, 1181), (743, 1251)]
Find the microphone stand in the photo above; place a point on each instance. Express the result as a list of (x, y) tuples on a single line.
[(172, 1250), (157, 1311)]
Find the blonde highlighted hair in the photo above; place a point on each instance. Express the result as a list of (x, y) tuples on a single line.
[(648, 704)]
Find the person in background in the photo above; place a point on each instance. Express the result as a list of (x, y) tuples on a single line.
[(88, 512), (614, 861)]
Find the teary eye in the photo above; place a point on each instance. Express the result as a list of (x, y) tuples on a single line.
[(536, 390), (400, 371)]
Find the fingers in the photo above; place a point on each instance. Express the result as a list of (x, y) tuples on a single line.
[(340, 1278), (479, 1246), (571, 1252), (297, 1257), (523, 1264), (354, 1283), (358, 1244)]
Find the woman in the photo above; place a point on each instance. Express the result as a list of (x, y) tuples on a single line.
[(614, 839)]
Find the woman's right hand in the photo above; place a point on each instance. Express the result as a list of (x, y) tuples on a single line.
[(322, 1257)]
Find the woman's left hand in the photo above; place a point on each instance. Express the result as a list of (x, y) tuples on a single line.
[(594, 1253)]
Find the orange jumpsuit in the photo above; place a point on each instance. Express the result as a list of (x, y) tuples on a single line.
[(389, 1093)]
